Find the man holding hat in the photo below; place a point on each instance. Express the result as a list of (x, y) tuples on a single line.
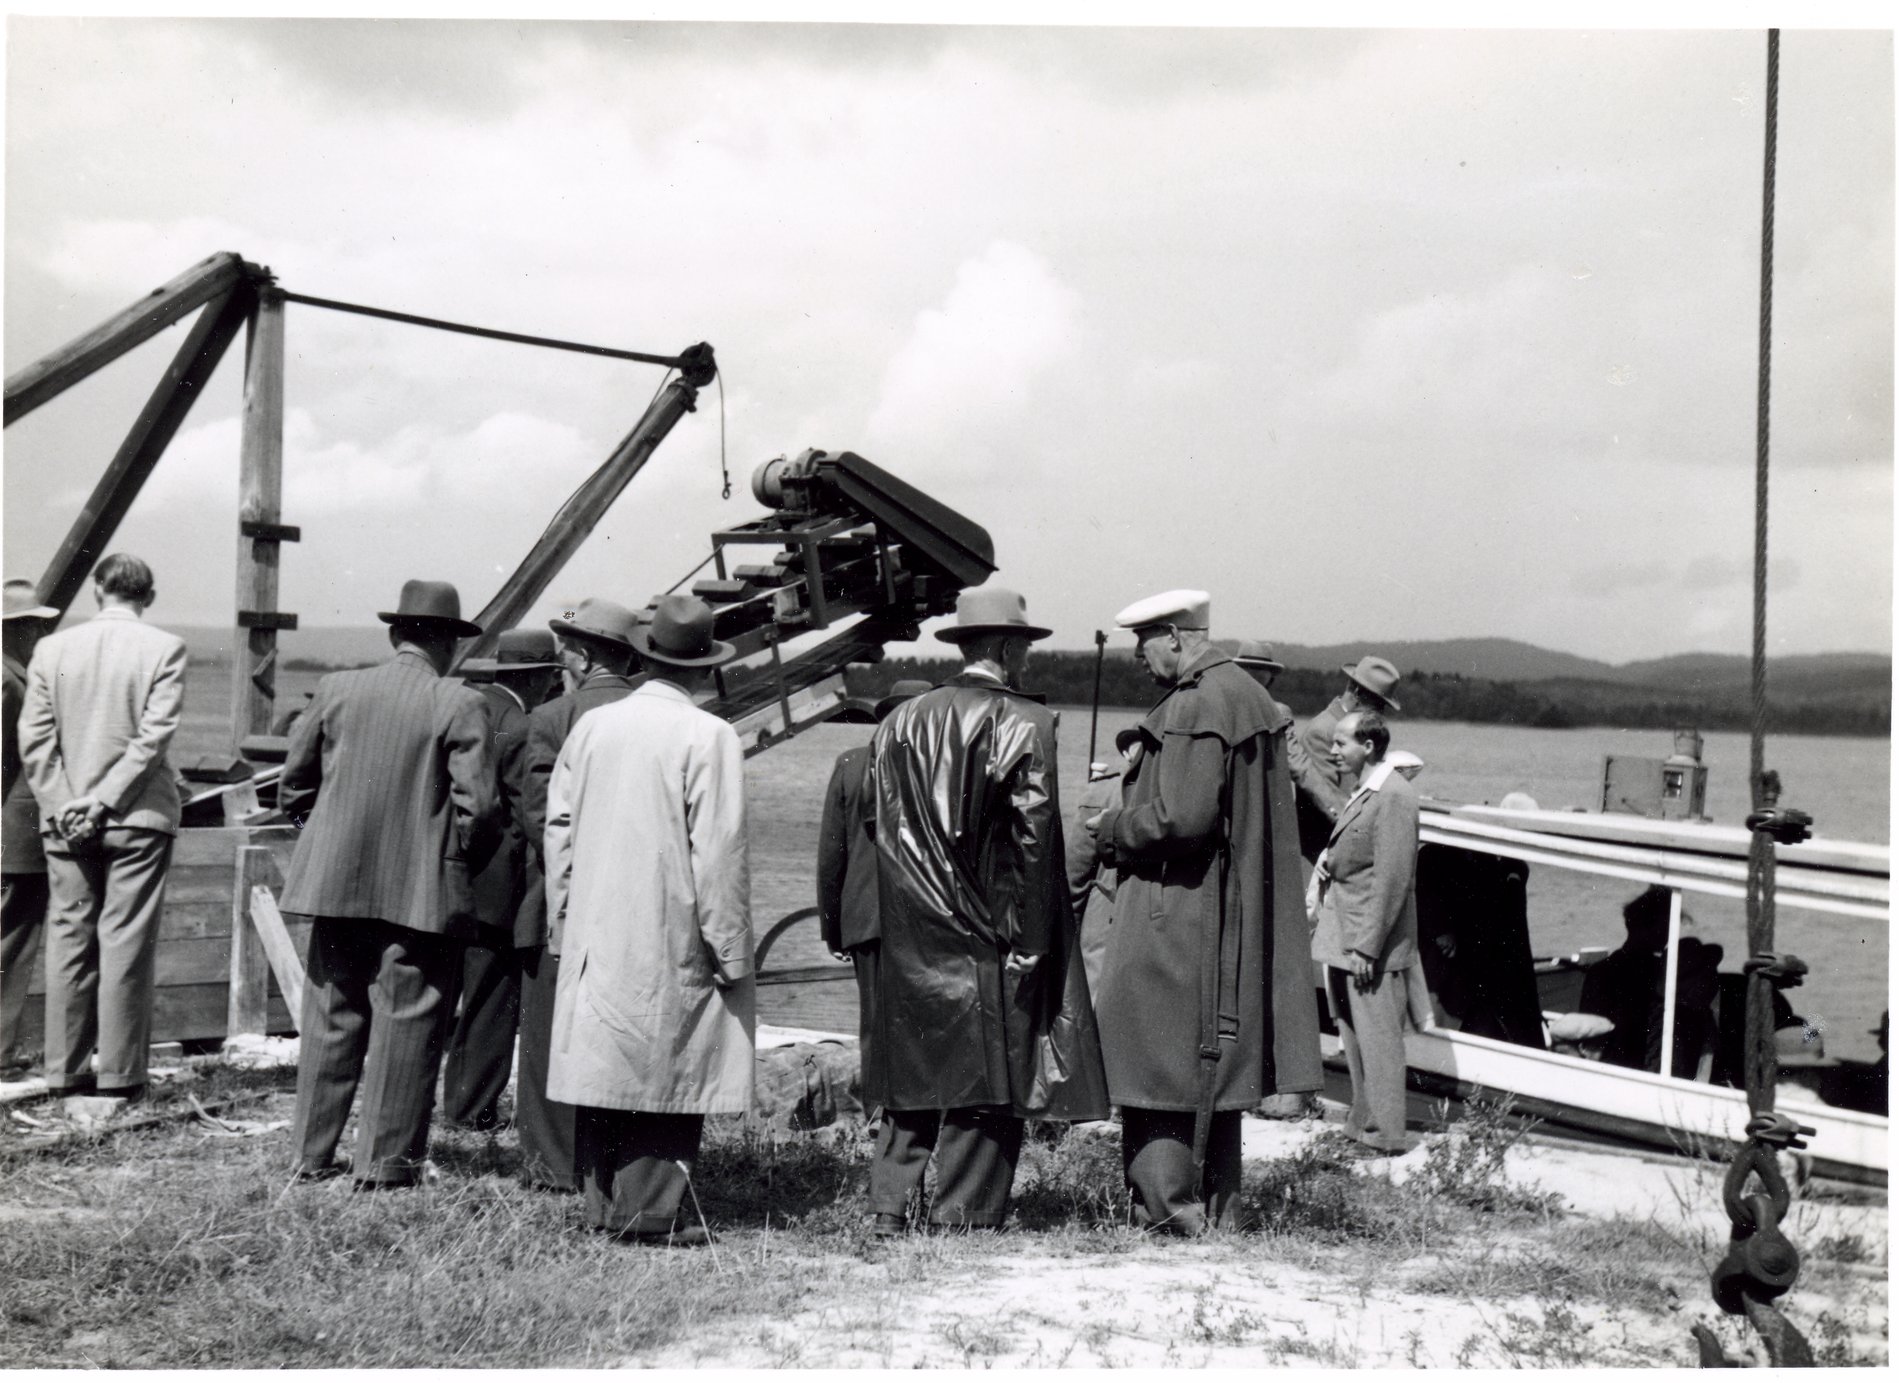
[(481, 1047), (982, 1015), (596, 655), (1207, 1001), (103, 700), (391, 780), (847, 865), (649, 891), (23, 884)]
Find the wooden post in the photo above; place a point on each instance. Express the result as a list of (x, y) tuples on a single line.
[(164, 413), (248, 1011), (260, 534), (51, 375), (1671, 976)]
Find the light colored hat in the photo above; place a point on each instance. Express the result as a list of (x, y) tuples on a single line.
[(1257, 653), (602, 621), (681, 635), (1405, 762), (1182, 609), (519, 650), (1376, 676), (22, 601), (991, 610)]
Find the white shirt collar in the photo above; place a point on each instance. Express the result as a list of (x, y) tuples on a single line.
[(984, 672), (1374, 780)]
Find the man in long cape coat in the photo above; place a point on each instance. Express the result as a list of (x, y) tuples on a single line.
[(1208, 952), (984, 1016)]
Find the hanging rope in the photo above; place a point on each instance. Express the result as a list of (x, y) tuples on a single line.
[(1761, 1263)]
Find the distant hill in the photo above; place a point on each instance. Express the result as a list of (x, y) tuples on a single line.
[(1496, 660), (337, 645)]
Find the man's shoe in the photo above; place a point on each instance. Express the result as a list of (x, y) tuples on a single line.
[(884, 1226)]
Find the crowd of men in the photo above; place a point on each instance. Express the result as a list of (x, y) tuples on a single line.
[(486, 864)]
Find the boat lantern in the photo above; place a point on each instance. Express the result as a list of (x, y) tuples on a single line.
[(1671, 789)]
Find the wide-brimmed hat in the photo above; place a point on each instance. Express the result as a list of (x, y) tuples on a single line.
[(1257, 653), (430, 602), (600, 620), (520, 650), (1376, 676), (681, 635), (900, 692), (22, 601), (1405, 762), (991, 610)]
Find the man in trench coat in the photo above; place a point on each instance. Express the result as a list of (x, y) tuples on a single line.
[(1206, 999), (390, 779), (983, 1015), (648, 888), (597, 661)]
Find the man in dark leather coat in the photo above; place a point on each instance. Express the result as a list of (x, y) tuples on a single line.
[(1206, 998), (983, 1016)]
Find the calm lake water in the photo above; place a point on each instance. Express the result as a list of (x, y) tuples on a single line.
[(1844, 783)]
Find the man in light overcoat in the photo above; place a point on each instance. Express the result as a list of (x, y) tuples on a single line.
[(391, 780), (102, 702), (22, 859), (649, 891)]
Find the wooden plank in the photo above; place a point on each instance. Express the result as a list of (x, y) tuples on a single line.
[(197, 883), (180, 1013), (247, 1006), (260, 502), (164, 413), (51, 375), (284, 962)]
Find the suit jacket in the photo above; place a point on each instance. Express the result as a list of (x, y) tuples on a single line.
[(1373, 861), (391, 780), (549, 725), (1316, 743), (20, 851), (847, 856), (647, 879), (499, 887), (102, 702)]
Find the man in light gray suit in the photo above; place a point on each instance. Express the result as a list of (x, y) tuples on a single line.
[(102, 702), (391, 780)]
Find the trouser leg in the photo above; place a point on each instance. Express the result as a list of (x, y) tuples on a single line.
[(129, 915), (481, 1045), (339, 968), (546, 1127), (905, 1141), (1157, 1154), (75, 891), (1377, 1025), (22, 920), (870, 1047), (634, 1166), (407, 1028), (1338, 998), (975, 1166)]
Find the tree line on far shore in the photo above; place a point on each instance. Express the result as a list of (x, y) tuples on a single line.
[(1068, 679)]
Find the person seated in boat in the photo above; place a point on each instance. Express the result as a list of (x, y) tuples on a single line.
[(1793, 1035), (1626, 987)]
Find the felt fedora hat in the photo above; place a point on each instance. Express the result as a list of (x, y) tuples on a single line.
[(900, 692), (681, 635), (520, 650), (1257, 653), (23, 603), (991, 610), (430, 602), (600, 620), (1376, 676)]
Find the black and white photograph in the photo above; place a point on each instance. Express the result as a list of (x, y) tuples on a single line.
[(948, 687)]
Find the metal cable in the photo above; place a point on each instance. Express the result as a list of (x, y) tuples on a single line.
[(463, 329)]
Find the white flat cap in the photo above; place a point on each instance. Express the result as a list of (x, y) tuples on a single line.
[(1182, 609)]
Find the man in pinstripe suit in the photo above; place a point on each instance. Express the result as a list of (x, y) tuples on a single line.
[(391, 780), (596, 650)]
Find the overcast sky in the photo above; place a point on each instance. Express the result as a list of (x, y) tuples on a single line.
[(1373, 334)]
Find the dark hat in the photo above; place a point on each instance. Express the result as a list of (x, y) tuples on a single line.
[(430, 602), (23, 602), (599, 620), (1126, 739), (900, 692), (991, 610), (681, 634), (520, 650), (1257, 653), (1376, 676)]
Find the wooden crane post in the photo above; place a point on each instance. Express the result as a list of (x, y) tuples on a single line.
[(260, 532)]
